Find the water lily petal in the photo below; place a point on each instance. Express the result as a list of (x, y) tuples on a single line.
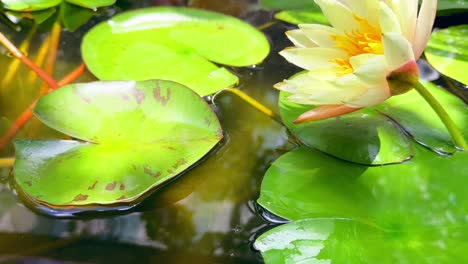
[(388, 19), (299, 39), (406, 12), (307, 89), (424, 25), (339, 16), (324, 112), (313, 58), (398, 50), (374, 95), (365, 8), (371, 70), (320, 34)]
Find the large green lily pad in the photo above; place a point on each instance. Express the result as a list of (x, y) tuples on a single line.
[(447, 51), (413, 212), (346, 241), (365, 137), (427, 191), (140, 135), (34, 5), (178, 44)]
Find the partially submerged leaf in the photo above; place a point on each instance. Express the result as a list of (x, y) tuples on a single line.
[(178, 44), (447, 51), (144, 133)]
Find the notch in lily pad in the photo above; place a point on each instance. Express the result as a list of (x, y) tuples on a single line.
[(173, 43), (136, 136)]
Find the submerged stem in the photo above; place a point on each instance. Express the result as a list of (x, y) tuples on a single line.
[(256, 104), (15, 51), (454, 131), (6, 162), (23, 119)]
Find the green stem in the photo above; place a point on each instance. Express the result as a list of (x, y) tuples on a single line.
[(454, 131)]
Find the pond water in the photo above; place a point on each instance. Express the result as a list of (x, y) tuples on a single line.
[(208, 215)]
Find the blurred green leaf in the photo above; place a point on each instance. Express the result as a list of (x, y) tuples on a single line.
[(447, 52)]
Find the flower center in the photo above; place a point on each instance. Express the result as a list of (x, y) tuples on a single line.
[(367, 39)]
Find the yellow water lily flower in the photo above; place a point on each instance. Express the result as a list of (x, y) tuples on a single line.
[(366, 56)]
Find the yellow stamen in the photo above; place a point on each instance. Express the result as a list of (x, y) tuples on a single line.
[(367, 39)]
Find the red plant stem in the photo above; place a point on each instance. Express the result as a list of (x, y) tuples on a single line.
[(72, 76), (14, 50), (23, 119)]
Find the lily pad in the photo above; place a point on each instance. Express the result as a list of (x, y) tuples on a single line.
[(365, 137), (34, 5), (346, 241), (415, 115), (178, 44), (426, 192), (142, 134), (447, 51)]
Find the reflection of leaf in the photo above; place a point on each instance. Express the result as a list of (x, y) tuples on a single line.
[(447, 51), (370, 137), (144, 133), (177, 44), (345, 241)]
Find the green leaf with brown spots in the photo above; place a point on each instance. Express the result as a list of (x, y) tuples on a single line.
[(173, 43), (140, 135)]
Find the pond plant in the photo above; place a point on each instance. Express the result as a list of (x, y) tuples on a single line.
[(379, 169)]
